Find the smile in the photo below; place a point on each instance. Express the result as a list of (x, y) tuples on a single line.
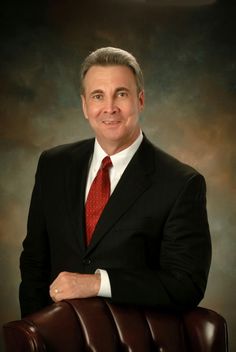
[(111, 122)]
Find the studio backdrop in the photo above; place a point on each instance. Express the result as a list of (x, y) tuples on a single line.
[(188, 53)]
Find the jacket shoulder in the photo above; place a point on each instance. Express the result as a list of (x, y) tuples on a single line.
[(169, 166), (62, 156), (67, 149)]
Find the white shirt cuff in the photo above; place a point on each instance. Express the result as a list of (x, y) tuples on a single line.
[(105, 287)]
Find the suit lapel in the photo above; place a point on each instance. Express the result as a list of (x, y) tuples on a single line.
[(75, 182), (134, 181)]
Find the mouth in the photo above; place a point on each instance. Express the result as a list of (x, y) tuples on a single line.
[(111, 122)]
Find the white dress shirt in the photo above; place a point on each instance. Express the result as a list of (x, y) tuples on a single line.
[(119, 161)]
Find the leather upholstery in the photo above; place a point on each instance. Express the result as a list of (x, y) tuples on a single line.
[(97, 325)]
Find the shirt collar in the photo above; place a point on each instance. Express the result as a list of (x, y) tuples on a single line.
[(127, 153)]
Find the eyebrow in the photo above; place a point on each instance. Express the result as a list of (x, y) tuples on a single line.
[(96, 91), (122, 88)]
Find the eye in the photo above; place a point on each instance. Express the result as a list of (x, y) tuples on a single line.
[(97, 96), (122, 94)]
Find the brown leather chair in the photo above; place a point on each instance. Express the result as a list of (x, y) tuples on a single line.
[(97, 325)]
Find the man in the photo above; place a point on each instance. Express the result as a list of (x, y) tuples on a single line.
[(150, 245)]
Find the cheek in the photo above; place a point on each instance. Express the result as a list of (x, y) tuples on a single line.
[(132, 111), (92, 112), (127, 108)]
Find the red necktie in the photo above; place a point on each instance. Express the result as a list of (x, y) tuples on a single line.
[(98, 196)]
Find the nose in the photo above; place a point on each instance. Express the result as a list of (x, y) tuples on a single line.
[(110, 106)]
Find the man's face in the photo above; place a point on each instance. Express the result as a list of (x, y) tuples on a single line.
[(112, 105)]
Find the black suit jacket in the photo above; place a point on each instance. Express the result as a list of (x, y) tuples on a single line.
[(152, 238)]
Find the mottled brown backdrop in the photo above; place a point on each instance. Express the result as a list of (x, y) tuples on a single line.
[(188, 54)]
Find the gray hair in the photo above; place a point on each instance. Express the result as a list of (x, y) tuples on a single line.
[(110, 56)]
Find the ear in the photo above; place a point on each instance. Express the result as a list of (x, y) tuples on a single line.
[(141, 100), (84, 106)]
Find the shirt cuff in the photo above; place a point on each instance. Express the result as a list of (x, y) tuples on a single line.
[(105, 287)]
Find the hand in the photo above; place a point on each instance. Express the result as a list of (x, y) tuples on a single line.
[(74, 285)]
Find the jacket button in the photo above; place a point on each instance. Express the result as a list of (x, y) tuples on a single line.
[(87, 261)]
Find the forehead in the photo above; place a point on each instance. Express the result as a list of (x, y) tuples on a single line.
[(106, 76)]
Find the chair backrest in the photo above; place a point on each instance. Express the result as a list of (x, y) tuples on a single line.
[(95, 324)]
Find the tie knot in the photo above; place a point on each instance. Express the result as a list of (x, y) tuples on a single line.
[(106, 163)]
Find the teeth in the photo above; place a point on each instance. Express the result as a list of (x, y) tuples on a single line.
[(111, 122)]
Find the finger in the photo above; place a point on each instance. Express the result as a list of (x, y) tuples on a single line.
[(56, 298), (54, 293)]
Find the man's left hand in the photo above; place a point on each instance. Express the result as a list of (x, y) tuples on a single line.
[(69, 285)]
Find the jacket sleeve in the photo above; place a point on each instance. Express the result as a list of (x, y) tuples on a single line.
[(35, 257), (179, 279)]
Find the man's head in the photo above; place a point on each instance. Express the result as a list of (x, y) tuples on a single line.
[(110, 56), (112, 97)]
